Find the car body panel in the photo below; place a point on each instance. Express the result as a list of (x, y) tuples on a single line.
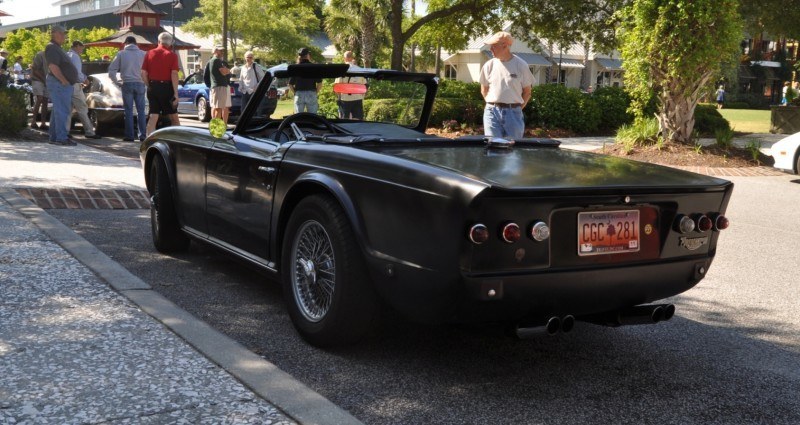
[(785, 152), (411, 199)]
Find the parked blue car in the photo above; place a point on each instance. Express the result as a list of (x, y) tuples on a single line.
[(193, 98)]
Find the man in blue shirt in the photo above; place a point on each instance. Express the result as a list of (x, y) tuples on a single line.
[(78, 98), (128, 63)]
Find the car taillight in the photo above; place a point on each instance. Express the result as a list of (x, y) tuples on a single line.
[(540, 231), (272, 94), (684, 224), (511, 232), (721, 222), (232, 91), (478, 234), (704, 223)]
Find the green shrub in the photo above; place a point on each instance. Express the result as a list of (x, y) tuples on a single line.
[(707, 120), (13, 115), (459, 90), (724, 137), (613, 103), (466, 111), (388, 90), (643, 131), (556, 106), (380, 110)]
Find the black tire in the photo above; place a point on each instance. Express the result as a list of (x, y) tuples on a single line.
[(797, 164), (98, 127), (203, 110), (348, 310), (167, 234)]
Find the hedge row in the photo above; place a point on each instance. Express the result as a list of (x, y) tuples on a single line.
[(13, 115), (556, 106)]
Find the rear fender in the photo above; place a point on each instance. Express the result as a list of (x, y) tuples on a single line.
[(160, 149), (310, 183)]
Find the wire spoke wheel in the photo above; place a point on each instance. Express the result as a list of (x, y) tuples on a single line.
[(314, 270), (330, 296)]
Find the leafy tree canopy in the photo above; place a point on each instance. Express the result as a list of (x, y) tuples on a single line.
[(276, 27), (778, 18), (567, 21), (27, 42), (672, 48)]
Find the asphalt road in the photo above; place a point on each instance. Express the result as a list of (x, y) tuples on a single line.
[(730, 356)]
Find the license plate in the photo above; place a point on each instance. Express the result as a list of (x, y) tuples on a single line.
[(608, 232)]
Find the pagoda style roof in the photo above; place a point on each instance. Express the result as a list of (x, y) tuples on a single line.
[(139, 6), (4, 13), (146, 39)]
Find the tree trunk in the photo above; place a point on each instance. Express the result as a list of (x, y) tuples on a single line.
[(438, 64), (396, 30), (678, 103), (225, 29), (369, 35)]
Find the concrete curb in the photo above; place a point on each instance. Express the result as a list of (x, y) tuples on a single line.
[(262, 377)]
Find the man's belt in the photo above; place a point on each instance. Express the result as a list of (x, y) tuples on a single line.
[(504, 105)]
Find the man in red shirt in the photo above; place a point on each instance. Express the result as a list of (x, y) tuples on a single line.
[(160, 75)]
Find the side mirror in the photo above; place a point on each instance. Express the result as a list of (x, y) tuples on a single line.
[(349, 88), (217, 128)]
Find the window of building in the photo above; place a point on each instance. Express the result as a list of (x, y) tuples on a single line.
[(137, 21), (151, 22), (193, 61), (450, 72)]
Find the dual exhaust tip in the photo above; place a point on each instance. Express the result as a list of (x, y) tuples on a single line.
[(550, 327), (636, 315)]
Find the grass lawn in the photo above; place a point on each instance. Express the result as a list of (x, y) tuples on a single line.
[(285, 107), (747, 120)]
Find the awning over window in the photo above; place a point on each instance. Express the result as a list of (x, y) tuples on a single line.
[(568, 63), (768, 64), (610, 64), (534, 59)]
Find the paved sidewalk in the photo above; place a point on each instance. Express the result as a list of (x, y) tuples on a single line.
[(84, 341), (74, 351)]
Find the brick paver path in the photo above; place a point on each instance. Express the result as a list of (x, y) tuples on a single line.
[(88, 199)]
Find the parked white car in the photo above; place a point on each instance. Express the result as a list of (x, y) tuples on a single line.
[(786, 153)]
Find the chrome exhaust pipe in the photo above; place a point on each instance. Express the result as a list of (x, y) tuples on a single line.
[(567, 323), (641, 315), (551, 327), (669, 311), (636, 315)]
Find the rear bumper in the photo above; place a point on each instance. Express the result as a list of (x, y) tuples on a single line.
[(430, 297)]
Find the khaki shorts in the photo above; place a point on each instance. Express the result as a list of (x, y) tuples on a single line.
[(39, 89), (220, 97)]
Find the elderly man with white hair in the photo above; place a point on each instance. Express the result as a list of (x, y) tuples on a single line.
[(160, 75)]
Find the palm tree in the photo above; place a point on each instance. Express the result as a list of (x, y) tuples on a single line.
[(355, 24)]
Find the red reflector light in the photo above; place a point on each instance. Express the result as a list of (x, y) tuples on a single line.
[(478, 234), (704, 223), (233, 91), (511, 232), (721, 223)]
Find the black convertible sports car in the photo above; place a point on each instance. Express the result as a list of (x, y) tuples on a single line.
[(359, 216)]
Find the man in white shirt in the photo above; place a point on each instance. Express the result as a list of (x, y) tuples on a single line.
[(19, 73), (249, 76), (351, 106), (78, 98), (506, 82)]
